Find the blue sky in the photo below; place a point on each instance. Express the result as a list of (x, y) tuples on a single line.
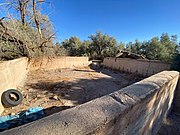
[(126, 20)]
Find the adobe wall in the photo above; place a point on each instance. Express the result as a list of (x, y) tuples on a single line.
[(12, 74), (57, 62), (143, 67), (134, 110)]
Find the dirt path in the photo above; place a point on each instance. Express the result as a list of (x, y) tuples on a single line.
[(56, 90)]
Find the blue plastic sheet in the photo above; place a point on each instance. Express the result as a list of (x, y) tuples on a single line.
[(21, 118)]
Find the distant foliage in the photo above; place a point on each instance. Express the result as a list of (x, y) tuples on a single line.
[(162, 48), (99, 46), (176, 62)]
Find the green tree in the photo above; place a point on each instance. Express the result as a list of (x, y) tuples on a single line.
[(121, 46), (136, 47), (60, 50), (101, 43), (170, 46), (72, 45), (83, 49), (129, 46), (154, 49)]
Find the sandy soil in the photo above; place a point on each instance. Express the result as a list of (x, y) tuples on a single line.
[(56, 90)]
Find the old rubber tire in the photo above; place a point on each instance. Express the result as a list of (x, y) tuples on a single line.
[(8, 101)]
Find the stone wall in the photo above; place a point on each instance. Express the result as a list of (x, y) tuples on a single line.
[(143, 67), (58, 62), (134, 110), (12, 74)]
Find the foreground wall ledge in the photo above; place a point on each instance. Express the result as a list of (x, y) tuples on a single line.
[(136, 109)]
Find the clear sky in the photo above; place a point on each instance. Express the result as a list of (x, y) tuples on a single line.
[(126, 20)]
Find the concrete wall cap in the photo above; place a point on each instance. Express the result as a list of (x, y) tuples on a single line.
[(79, 120)]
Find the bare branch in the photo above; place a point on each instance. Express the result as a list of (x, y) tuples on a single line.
[(36, 19)]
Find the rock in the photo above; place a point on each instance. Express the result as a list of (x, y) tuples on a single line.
[(26, 96), (22, 91), (31, 90), (55, 97), (12, 113), (68, 103), (40, 96), (6, 111)]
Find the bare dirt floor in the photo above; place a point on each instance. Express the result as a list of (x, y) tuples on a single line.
[(59, 89)]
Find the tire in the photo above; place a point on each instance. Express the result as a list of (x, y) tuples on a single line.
[(7, 99)]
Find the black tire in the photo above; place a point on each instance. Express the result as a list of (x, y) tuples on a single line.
[(7, 100)]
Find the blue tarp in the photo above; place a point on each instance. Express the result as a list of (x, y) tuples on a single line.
[(21, 118)]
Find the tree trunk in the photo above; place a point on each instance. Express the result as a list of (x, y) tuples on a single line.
[(36, 19)]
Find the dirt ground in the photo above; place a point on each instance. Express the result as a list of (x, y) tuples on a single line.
[(56, 90), (171, 125)]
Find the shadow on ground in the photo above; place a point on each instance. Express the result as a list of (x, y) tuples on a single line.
[(82, 90)]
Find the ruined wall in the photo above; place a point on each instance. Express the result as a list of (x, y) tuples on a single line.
[(134, 110), (58, 62), (12, 74), (143, 67)]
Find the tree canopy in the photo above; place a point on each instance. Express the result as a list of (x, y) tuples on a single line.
[(102, 45)]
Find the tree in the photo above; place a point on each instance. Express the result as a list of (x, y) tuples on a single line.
[(136, 48), (170, 46), (154, 49), (121, 46), (72, 45), (60, 50), (31, 34), (83, 49), (101, 43), (160, 49), (129, 47)]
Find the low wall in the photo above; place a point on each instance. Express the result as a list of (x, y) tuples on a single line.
[(13, 74), (143, 67), (57, 62), (134, 110)]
